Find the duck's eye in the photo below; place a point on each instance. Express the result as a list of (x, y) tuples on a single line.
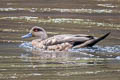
[(37, 29)]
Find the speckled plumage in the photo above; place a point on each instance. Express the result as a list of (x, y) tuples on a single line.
[(62, 42)]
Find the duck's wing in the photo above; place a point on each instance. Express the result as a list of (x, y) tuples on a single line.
[(58, 39), (74, 38), (78, 39)]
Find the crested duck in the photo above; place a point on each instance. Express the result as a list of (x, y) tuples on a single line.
[(61, 42)]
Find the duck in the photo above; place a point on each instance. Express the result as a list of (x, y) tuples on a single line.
[(62, 42)]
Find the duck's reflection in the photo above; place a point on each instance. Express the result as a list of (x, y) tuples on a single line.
[(59, 54)]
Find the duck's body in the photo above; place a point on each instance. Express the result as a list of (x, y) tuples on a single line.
[(61, 42)]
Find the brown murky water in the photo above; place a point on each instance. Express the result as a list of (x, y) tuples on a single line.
[(96, 17)]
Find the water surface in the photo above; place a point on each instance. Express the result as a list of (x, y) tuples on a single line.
[(18, 61)]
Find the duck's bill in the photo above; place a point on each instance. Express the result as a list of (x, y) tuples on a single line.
[(27, 35)]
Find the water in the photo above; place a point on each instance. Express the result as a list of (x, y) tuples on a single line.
[(20, 61)]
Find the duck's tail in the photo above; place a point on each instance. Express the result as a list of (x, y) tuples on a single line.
[(93, 42)]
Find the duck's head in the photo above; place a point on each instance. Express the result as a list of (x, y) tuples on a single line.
[(36, 32)]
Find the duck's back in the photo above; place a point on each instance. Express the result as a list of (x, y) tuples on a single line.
[(67, 38)]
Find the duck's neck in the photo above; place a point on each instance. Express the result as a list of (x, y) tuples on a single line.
[(44, 36)]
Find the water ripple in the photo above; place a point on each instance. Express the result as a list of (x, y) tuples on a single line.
[(101, 49), (27, 46), (89, 22), (82, 10), (94, 49)]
